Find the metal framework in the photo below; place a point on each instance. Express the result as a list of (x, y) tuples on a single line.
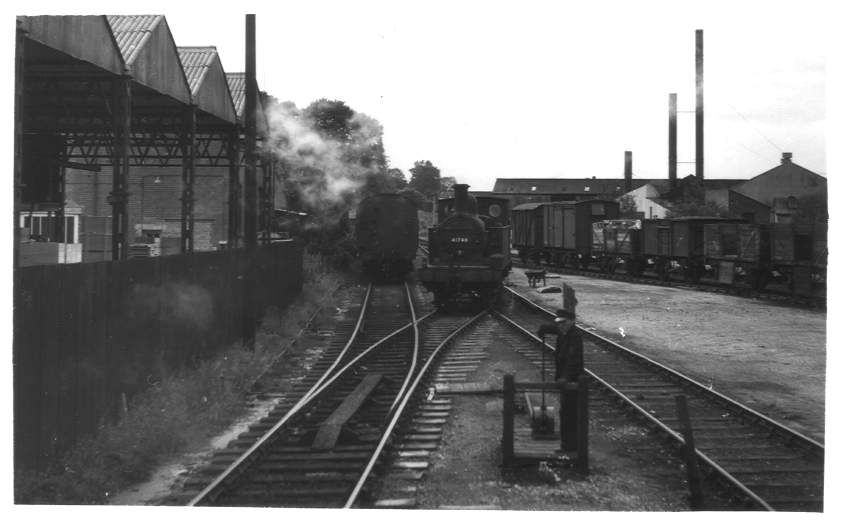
[(109, 120)]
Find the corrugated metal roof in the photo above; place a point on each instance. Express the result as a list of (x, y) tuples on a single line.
[(196, 62), (236, 82), (132, 31)]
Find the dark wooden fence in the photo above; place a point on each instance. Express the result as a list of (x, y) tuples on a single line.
[(84, 334)]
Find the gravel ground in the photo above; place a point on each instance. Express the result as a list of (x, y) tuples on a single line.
[(768, 356), (628, 470)]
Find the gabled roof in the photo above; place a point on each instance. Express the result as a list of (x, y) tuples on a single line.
[(236, 82), (788, 167), (132, 32), (207, 81), (196, 63), (86, 38), (151, 56)]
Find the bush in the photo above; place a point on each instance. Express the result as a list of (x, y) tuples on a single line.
[(181, 411)]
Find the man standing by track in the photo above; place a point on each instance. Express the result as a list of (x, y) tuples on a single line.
[(569, 364)]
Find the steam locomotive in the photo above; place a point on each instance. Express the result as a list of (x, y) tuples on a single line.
[(468, 249), (386, 234)]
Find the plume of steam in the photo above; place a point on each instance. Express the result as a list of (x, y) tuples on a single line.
[(181, 303), (326, 169)]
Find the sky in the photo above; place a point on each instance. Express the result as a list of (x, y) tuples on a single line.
[(543, 89), (538, 88)]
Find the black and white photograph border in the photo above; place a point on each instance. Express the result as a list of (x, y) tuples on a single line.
[(495, 96)]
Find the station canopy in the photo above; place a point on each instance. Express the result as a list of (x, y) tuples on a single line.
[(75, 67)]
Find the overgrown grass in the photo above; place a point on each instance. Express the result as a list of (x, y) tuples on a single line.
[(178, 414)]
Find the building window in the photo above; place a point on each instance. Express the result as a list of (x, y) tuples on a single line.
[(38, 225)]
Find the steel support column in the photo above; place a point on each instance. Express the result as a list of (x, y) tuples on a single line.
[(122, 97), (187, 217), (234, 191), (18, 144), (267, 198), (250, 132), (249, 323)]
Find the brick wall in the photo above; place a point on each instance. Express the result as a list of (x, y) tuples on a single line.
[(155, 200)]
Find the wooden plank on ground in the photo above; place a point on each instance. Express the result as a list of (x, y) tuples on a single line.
[(328, 432)]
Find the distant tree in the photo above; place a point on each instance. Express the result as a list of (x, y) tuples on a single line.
[(628, 207), (696, 208), (382, 181), (331, 118), (424, 177), (446, 186), (397, 177), (415, 196)]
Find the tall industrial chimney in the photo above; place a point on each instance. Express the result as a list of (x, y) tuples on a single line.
[(629, 174), (250, 131), (700, 107), (673, 141)]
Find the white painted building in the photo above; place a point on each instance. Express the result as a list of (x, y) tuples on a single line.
[(645, 197)]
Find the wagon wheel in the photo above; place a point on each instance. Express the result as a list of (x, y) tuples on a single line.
[(611, 265), (694, 271), (662, 269)]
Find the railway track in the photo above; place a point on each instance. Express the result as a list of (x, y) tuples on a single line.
[(321, 448), (764, 463)]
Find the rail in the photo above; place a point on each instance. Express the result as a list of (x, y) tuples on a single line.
[(754, 417), (328, 378)]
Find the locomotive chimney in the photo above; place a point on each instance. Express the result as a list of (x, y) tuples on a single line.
[(461, 198), (628, 173)]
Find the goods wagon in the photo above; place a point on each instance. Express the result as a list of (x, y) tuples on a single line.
[(559, 233), (618, 243), (677, 245)]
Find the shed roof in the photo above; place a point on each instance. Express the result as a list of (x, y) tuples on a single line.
[(207, 81), (85, 38), (196, 63), (132, 32), (148, 49), (236, 82), (559, 186)]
